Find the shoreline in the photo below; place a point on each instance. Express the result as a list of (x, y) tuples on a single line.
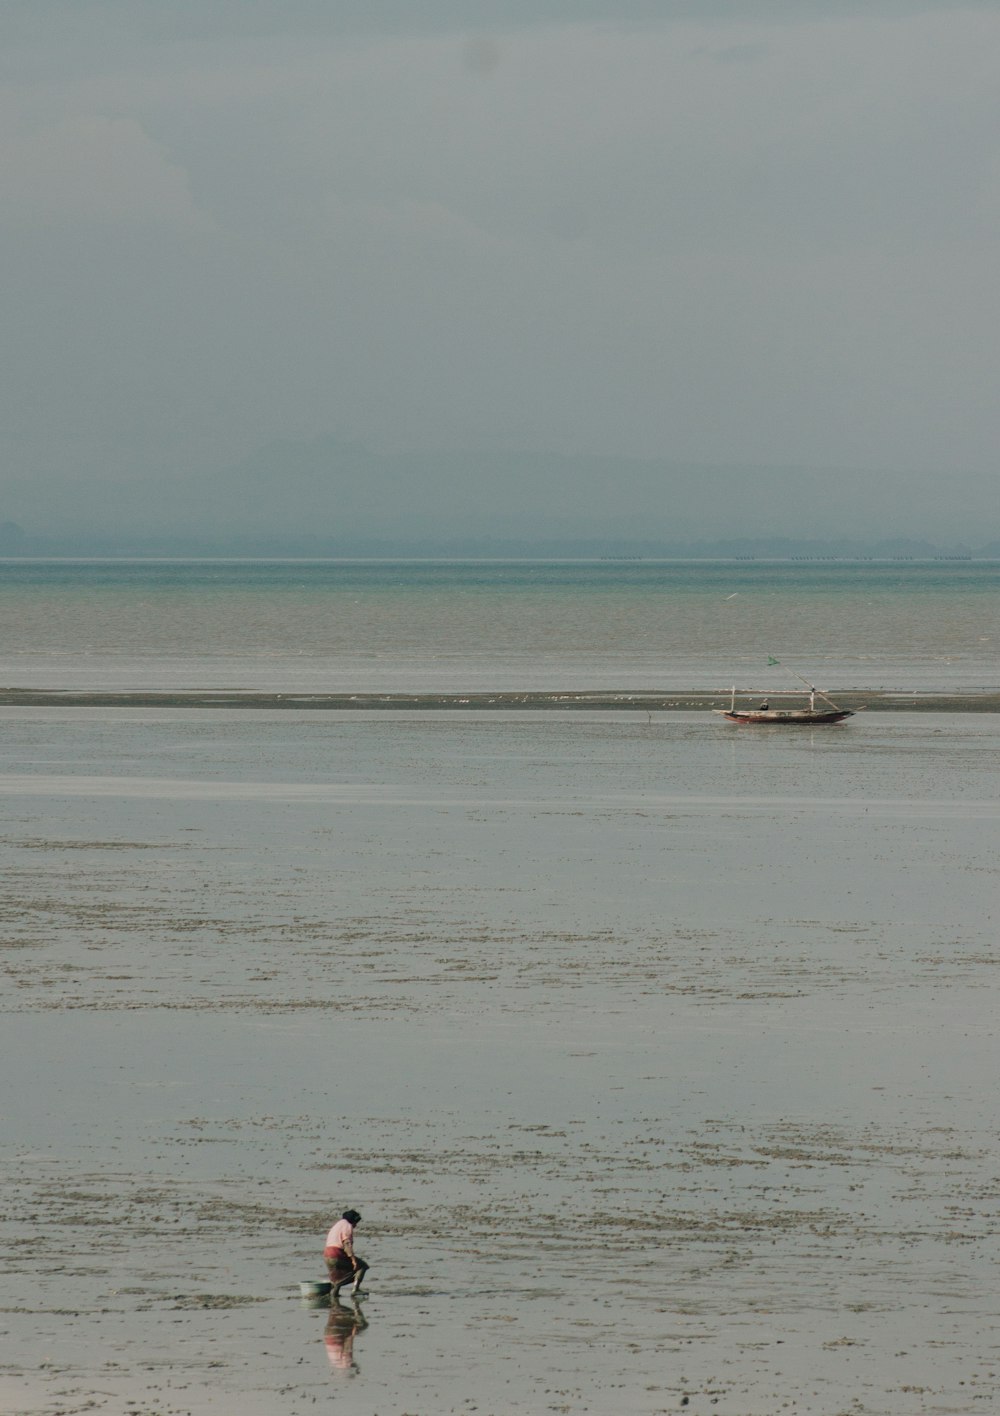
[(600, 700)]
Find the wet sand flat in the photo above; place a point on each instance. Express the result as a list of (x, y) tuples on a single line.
[(657, 1055)]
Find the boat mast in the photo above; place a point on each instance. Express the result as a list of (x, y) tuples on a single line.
[(813, 691)]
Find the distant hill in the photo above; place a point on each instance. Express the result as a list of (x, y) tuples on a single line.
[(333, 497)]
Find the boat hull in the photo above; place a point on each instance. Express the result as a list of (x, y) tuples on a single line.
[(788, 717)]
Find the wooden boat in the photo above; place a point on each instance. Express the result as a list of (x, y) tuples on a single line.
[(790, 716)]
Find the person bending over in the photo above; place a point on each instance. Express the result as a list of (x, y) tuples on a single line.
[(342, 1262)]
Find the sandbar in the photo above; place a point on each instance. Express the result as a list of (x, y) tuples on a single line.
[(973, 700)]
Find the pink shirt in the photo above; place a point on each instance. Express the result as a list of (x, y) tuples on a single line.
[(342, 1233)]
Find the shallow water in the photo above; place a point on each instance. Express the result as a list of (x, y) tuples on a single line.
[(480, 626), (658, 1057)]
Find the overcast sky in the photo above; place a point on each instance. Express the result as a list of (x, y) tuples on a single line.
[(753, 232)]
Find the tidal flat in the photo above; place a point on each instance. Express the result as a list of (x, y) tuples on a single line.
[(658, 1055)]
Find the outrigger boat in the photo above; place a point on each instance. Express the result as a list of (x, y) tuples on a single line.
[(764, 713)]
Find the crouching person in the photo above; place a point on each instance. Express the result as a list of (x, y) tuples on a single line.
[(342, 1263)]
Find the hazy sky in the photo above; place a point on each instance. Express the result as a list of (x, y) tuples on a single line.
[(724, 233)]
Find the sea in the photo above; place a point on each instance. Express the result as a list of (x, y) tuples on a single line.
[(657, 1054), (454, 626)]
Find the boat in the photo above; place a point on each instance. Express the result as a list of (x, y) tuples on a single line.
[(791, 717)]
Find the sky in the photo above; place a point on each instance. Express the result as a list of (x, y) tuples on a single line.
[(719, 235)]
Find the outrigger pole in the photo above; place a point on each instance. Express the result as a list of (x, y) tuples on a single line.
[(813, 690)]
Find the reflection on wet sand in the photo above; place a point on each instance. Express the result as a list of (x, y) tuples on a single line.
[(343, 1324)]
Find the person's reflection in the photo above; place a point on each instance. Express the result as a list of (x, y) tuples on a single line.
[(338, 1335)]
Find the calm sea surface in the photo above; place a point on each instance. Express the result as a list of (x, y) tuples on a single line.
[(423, 626)]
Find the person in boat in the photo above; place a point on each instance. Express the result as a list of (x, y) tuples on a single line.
[(764, 706), (342, 1262)]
